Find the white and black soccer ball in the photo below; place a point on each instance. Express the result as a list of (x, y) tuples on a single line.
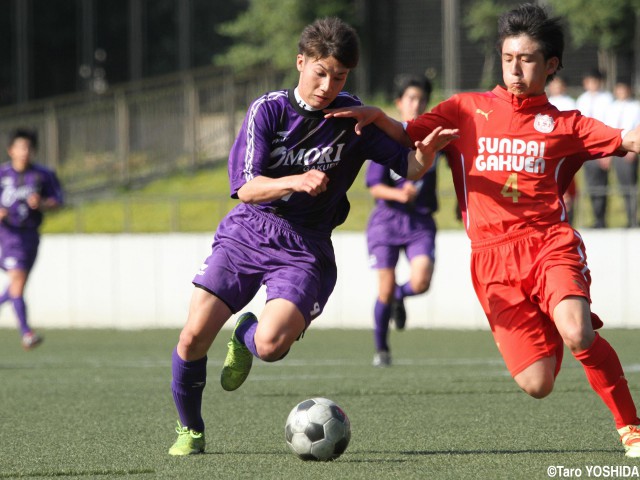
[(317, 429)]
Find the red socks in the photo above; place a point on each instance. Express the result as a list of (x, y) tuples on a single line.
[(604, 372)]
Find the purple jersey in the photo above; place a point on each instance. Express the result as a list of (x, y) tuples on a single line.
[(278, 138), (425, 202), (16, 187)]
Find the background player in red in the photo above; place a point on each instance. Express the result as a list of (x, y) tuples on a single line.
[(515, 156)]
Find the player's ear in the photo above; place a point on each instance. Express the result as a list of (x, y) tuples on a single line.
[(300, 62), (552, 65)]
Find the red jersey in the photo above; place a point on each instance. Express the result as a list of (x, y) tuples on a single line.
[(514, 158)]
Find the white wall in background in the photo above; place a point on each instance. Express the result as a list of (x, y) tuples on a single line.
[(144, 281)]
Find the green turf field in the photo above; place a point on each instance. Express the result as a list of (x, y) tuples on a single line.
[(97, 404)]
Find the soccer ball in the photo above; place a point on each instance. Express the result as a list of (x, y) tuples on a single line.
[(317, 429)]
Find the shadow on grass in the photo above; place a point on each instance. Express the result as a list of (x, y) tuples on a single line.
[(526, 451), (78, 473)]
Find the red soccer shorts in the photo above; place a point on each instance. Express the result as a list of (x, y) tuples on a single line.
[(519, 279)]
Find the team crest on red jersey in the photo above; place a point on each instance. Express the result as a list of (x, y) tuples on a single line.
[(543, 123)]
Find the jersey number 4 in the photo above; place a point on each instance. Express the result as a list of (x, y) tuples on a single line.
[(510, 188)]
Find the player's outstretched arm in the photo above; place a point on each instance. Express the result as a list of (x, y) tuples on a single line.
[(36, 202), (365, 115), (264, 189), (422, 158), (631, 141)]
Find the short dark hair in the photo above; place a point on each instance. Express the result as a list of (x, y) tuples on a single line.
[(533, 21), (405, 81), (24, 133), (595, 73), (331, 37)]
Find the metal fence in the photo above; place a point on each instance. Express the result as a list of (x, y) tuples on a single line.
[(139, 131), (100, 144)]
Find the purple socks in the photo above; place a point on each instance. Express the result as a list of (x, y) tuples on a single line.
[(381, 315), (189, 379), (402, 291), (245, 334), (21, 312)]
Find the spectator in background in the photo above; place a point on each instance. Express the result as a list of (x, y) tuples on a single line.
[(401, 220), (594, 102), (624, 113), (26, 191), (558, 97)]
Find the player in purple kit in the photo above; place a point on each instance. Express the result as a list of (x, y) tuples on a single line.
[(26, 190), (291, 168), (401, 220)]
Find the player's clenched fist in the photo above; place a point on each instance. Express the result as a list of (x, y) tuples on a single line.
[(33, 201), (312, 182), (407, 192)]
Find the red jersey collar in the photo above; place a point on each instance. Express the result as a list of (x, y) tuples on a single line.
[(520, 103)]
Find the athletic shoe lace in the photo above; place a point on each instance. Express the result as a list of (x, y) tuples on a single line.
[(187, 431), (632, 436)]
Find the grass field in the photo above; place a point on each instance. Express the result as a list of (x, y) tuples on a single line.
[(97, 404)]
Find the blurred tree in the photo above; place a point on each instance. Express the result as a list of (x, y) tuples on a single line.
[(609, 26), (481, 20), (267, 33)]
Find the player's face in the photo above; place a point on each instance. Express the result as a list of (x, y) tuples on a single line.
[(412, 103), (321, 80), (524, 69), (20, 153)]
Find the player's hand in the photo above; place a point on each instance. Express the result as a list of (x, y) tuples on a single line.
[(3, 213), (364, 115), (313, 182), (408, 192), (33, 201), (436, 140)]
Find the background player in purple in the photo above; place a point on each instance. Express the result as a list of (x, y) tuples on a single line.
[(401, 220), (26, 190), (291, 168)]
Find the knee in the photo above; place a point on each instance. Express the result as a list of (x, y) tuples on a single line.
[(386, 293), (16, 291), (189, 342), (577, 338), (421, 286), (385, 297), (537, 387), (271, 347), (538, 379), (271, 351)]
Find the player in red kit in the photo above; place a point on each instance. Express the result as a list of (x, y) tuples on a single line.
[(514, 159)]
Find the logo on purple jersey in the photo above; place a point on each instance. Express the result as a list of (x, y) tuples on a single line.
[(12, 194), (281, 136), (203, 267), (323, 158)]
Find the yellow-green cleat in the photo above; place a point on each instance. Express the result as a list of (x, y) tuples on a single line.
[(189, 442), (239, 359)]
